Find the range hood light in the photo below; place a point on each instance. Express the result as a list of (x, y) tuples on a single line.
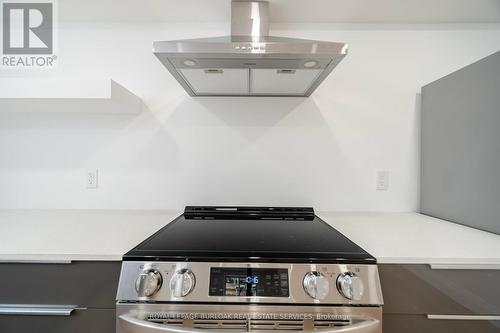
[(189, 63), (310, 63)]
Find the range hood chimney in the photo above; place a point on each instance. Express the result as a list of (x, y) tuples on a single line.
[(249, 62), (250, 18)]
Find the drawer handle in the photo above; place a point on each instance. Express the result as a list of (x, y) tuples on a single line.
[(37, 310), (462, 317), (35, 261)]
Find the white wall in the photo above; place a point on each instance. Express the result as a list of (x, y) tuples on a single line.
[(322, 151)]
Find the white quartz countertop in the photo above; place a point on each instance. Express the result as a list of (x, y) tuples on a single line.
[(411, 238), (73, 235)]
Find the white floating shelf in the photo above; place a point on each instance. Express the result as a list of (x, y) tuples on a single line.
[(59, 95)]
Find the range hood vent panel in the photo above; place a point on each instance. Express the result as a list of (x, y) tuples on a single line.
[(249, 63)]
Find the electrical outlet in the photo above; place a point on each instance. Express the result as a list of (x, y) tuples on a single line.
[(92, 178), (382, 182)]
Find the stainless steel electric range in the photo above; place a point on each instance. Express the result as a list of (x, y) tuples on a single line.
[(237, 269)]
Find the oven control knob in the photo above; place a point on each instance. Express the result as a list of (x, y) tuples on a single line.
[(148, 283), (316, 285), (182, 283), (350, 286)]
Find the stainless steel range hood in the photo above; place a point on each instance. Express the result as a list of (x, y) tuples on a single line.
[(249, 62)]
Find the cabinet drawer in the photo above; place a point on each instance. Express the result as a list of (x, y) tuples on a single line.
[(420, 323), (86, 284), (418, 289), (80, 321)]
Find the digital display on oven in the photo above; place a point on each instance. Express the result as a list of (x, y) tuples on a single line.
[(268, 282)]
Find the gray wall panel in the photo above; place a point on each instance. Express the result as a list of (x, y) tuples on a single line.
[(460, 170)]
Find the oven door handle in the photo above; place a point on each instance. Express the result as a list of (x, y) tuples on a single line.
[(132, 324)]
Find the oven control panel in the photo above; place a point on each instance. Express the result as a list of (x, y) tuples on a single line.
[(249, 283)]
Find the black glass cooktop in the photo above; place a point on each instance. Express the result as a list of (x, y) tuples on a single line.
[(249, 234)]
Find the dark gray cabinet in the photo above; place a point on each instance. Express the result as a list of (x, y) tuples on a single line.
[(80, 321), (415, 294), (88, 286), (421, 324)]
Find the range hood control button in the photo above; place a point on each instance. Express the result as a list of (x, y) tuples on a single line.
[(350, 286), (148, 283), (182, 283), (316, 285)]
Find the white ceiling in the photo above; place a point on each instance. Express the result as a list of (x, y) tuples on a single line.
[(286, 11)]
